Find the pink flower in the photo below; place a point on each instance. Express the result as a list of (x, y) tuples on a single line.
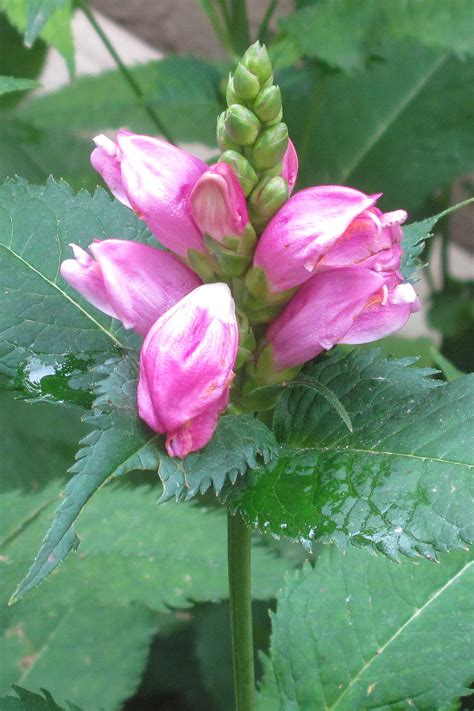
[(218, 203), (290, 166), (186, 367), (324, 227), (156, 179), (345, 305), (130, 281)]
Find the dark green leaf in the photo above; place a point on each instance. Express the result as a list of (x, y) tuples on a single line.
[(183, 90), (238, 444), (388, 128), (40, 315), (360, 632), (401, 481), (25, 700), (119, 443), (16, 60), (9, 84)]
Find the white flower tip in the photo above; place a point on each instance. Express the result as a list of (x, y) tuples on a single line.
[(107, 145), (397, 217), (217, 299), (404, 294)]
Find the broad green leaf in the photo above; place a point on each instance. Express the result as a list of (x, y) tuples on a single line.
[(361, 632), (25, 700), (403, 142), (415, 235), (239, 443), (9, 84), (401, 481), (35, 153), (183, 90), (119, 443), (17, 60), (343, 33), (39, 17), (40, 315)]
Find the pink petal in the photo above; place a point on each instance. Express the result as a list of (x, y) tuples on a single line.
[(105, 161), (290, 166), (84, 275), (196, 433)]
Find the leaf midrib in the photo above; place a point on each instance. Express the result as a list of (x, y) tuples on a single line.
[(380, 452), (414, 616), (63, 294), (392, 117)]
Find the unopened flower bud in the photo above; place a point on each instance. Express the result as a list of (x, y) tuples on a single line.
[(270, 147), (257, 61), (230, 95), (223, 139), (241, 124), (266, 199), (246, 85), (268, 104), (242, 168)]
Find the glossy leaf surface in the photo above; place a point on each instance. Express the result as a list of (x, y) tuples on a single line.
[(401, 481), (360, 631)]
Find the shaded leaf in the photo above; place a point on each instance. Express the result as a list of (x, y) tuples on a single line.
[(359, 631), (401, 481), (183, 90), (238, 444), (17, 60), (25, 700), (119, 443)]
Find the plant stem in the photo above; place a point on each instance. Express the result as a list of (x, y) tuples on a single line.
[(263, 29), (129, 78), (220, 25), (239, 538), (240, 26)]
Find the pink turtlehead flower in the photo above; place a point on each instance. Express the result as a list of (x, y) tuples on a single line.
[(325, 227), (130, 281), (155, 179), (218, 203), (186, 367), (345, 305), (290, 166)]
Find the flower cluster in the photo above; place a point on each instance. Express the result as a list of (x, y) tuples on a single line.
[(254, 281)]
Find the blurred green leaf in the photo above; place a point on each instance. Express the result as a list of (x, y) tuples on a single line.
[(238, 444), (9, 84), (48, 19), (403, 142), (25, 700), (343, 33), (400, 482), (405, 631), (16, 60), (183, 90), (452, 308)]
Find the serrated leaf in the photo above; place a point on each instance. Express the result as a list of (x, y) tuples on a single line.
[(25, 700), (361, 632), (9, 84), (403, 142), (238, 444), (401, 481), (119, 443), (343, 33), (183, 90), (50, 19), (40, 314), (415, 235)]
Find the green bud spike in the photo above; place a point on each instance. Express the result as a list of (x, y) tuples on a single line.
[(241, 124), (247, 342), (259, 302), (265, 372), (242, 168), (245, 84), (223, 140), (266, 199), (276, 120), (257, 61), (233, 253), (268, 105), (230, 95), (270, 147)]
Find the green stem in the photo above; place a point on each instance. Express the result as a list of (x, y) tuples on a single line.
[(219, 25), (239, 538), (240, 26), (129, 78), (263, 29)]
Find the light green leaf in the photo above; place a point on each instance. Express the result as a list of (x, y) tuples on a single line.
[(401, 481), (40, 314), (119, 443), (25, 700), (9, 84), (239, 443), (183, 90), (48, 19), (361, 632), (343, 33), (403, 142)]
